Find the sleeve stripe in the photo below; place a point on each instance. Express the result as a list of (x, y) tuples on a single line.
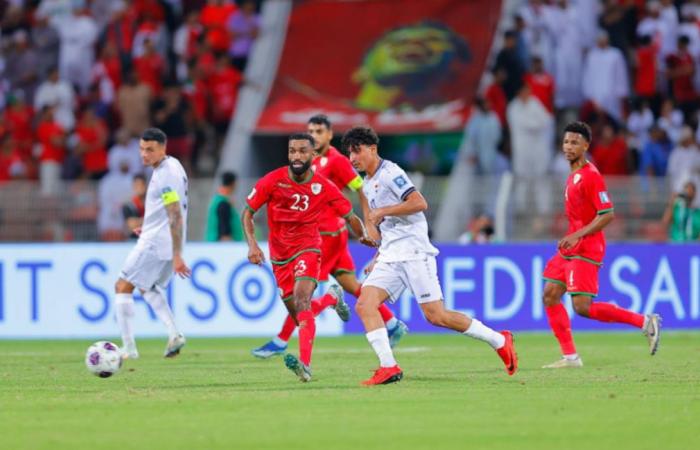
[(349, 215), (604, 211), (407, 193), (248, 207), (170, 197), (355, 183)]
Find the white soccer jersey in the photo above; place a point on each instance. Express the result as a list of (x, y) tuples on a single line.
[(168, 184), (404, 238)]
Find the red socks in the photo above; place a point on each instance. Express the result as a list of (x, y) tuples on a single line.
[(321, 303), (608, 312), (287, 329), (307, 332), (561, 326)]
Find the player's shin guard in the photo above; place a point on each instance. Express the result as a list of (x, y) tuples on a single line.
[(307, 332), (608, 312), (287, 329), (560, 324), (124, 306), (160, 306)]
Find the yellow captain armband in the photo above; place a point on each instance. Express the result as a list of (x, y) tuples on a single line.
[(169, 196), (356, 183)]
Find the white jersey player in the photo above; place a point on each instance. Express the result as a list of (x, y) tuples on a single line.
[(406, 259), (158, 252)]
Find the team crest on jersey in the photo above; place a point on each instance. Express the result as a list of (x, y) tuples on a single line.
[(252, 194), (577, 178), (324, 161), (316, 188), (603, 195), (400, 181)]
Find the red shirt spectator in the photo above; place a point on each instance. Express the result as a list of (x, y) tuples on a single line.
[(149, 8), (224, 84), (645, 76), (18, 120), (610, 153), (541, 83), (51, 137), (681, 68), (92, 142), (112, 64), (150, 68), (215, 17), (10, 160), (498, 101), (121, 29)]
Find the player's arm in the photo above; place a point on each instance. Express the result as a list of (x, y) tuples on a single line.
[(255, 254), (171, 201), (358, 229), (343, 208), (597, 193), (413, 202)]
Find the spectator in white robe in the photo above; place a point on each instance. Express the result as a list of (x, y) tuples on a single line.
[(605, 80), (78, 35), (568, 55)]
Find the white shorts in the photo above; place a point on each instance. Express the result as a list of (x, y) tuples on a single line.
[(419, 275), (145, 270)]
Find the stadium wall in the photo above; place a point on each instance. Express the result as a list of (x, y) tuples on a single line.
[(65, 290)]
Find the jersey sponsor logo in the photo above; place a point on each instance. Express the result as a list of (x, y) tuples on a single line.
[(316, 188), (577, 178), (603, 196), (400, 181), (252, 194)]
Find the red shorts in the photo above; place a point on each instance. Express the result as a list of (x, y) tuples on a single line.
[(335, 255), (304, 267), (577, 275)]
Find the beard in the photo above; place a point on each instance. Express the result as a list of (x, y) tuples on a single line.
[(300, 170)]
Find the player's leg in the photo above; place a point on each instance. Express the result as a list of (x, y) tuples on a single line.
[(278, 345), (305, 270), (582, 284), (332, 247), (124, 307), (382, 283), (555, 287), (421, 276), (156, 299)]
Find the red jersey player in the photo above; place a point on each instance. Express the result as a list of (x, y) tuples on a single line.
[(574, 269), (296, 199), (335, 254)]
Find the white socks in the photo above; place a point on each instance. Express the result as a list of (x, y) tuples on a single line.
[(479, 331), (124, 306), (157, 301), (379, 340)]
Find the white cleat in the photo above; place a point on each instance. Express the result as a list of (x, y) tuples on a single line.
[(129, 352), (175, 343), (564, 363), (652, 330)]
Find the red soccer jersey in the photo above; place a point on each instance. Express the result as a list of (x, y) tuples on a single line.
[(586, 197), (294, 210), (338, 169)]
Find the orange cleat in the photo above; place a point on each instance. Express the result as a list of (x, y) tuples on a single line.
[(507, 353), (385, 375)]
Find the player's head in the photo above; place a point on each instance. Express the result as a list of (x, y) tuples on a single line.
[(139, 185), (300, 152), (228, 179), (152, 146), (577, 138), (319, 127), (361, 143)]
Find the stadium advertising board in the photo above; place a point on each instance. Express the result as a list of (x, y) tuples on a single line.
[(65, 290), (398, 65)]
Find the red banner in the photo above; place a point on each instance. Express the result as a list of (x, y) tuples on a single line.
[(398, 65)]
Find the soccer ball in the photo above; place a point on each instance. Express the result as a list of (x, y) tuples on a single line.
[(103, 359)]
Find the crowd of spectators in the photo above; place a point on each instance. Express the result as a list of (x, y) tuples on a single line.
[(81, 79)]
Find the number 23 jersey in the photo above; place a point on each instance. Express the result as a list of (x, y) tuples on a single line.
[(294, 210)]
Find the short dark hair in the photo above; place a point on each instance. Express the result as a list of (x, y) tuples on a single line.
[(154, 134), (320, 119), (360, 135), (302, 137), (581, 128), (228, 178), (139, 176), (683, 40)]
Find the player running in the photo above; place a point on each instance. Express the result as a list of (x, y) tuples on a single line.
[(297, 198), (406, 259), (574, 269), (158, 251), (335, 254)]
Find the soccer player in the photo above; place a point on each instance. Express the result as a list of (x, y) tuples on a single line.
[(574, 269), (406, 259), (296, 199), (335, 254), (158, 251)]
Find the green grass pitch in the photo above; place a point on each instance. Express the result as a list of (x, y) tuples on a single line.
[(455, 394)]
